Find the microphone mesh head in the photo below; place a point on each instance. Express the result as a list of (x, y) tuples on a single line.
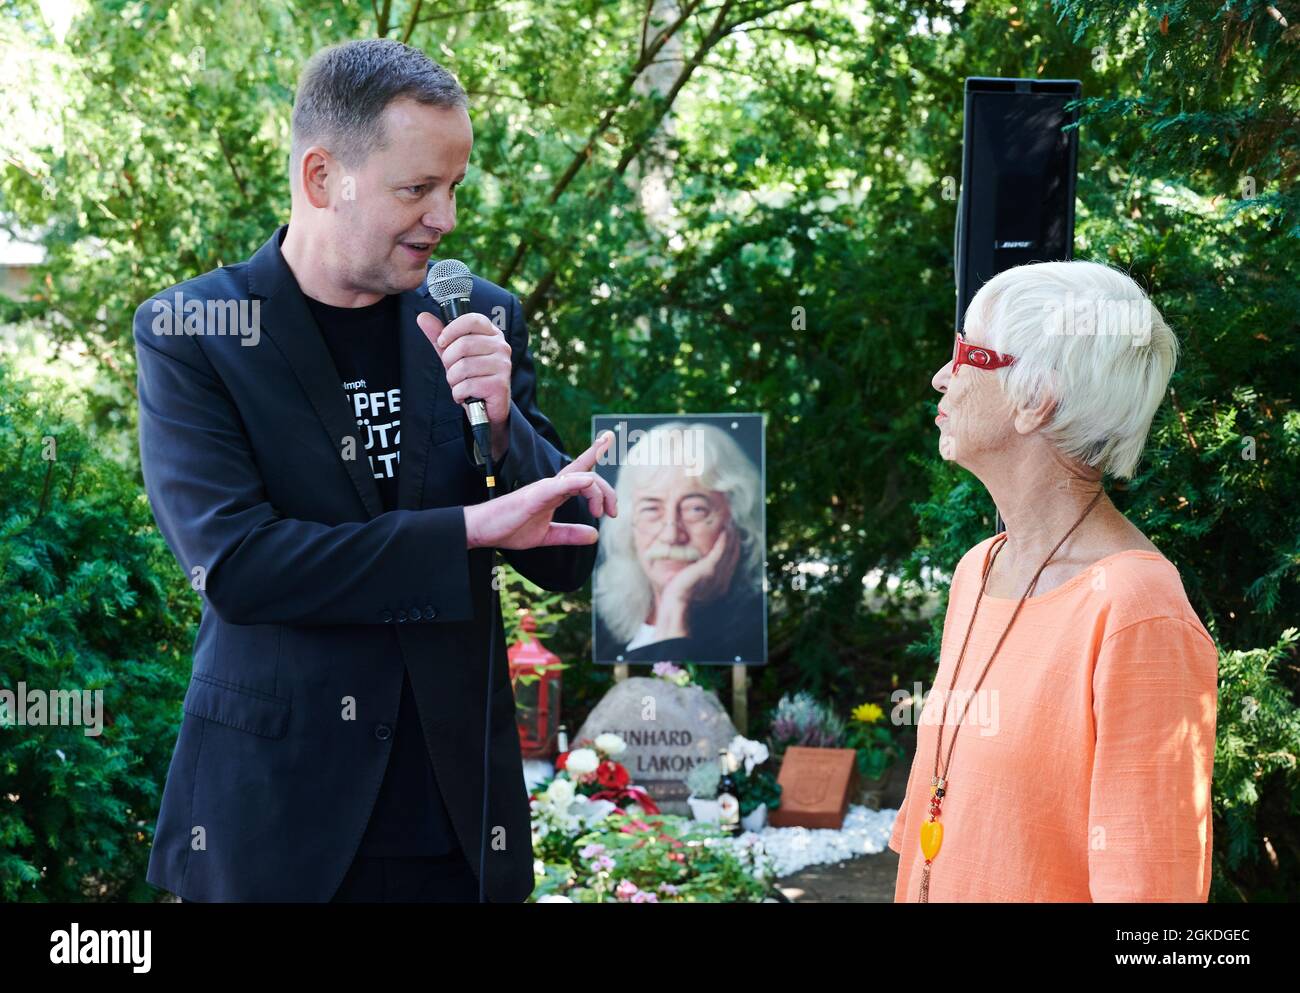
[(449, 279)]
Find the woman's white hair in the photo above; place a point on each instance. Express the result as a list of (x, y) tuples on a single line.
[(1089, 334), (622, 591)]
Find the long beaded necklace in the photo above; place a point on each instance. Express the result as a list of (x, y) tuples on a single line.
[(932, 830)]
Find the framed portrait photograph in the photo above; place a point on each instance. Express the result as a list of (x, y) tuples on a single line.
[(680, 571)]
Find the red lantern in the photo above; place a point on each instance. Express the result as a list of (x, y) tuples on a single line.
[(537, 701)]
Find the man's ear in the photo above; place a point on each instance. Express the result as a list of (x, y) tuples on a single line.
[(313, 175)]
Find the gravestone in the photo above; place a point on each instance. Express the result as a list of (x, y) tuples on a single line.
[(668, 730)]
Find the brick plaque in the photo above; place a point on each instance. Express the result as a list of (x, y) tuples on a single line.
[(814, 787)]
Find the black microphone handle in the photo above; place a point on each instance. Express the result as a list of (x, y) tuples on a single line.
[(450, 311)]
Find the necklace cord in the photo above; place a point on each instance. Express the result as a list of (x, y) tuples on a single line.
[(970, 627)]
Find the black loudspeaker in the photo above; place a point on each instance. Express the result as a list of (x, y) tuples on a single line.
[(1017, 180)]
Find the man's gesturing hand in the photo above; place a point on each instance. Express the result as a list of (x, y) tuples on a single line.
[(522, 519)]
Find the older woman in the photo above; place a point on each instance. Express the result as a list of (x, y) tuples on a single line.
[(1066, 750)]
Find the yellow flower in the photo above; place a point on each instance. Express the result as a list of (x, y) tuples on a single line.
[(868, 713)]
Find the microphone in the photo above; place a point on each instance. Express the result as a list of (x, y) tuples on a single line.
[(450, 284)]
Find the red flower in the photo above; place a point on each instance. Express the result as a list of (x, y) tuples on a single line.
[(612, 775), (561, 760)]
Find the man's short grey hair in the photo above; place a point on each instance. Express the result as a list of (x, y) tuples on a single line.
[(1091, 336), (344, 89)]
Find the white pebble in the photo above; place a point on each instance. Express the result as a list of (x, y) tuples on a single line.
[(865, 832)]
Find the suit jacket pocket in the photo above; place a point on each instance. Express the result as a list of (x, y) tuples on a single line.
[(246, 710)]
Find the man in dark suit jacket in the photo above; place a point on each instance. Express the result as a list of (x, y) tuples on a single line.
[(328, 591)]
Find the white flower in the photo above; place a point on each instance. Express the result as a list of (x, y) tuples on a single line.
[(590, 811), (553, 898), (560, 794), (581, 761), (752, 753), (611, 744)]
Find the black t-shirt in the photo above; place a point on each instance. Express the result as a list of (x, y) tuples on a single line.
[(410, 817), (364, 343)]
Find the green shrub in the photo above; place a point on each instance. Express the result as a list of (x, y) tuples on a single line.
[(90, 600), (1256, 780)]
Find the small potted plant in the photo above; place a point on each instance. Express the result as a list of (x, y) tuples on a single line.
[(703, 801), (802, 720), (876, 752), (758, 788)]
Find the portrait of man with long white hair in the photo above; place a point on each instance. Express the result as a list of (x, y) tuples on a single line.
[(679, 574)]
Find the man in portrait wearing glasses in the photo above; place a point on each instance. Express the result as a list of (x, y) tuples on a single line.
[(680, 573)]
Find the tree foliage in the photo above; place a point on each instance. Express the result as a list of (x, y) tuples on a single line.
[(714, 205)]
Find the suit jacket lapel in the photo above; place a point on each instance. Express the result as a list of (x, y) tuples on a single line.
[(424, 382), (290, 325)]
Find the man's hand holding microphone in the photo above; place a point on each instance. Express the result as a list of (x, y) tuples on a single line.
[(477, 360), (476, 357)]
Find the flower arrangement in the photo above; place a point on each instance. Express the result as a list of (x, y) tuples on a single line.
[(599, 839), (559, 814), (587, 787), (664, 859), (873, 741), (592, 767)]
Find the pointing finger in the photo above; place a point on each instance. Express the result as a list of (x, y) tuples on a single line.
[(587, 459)]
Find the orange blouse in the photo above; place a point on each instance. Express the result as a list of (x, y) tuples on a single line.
[(1083, 765)]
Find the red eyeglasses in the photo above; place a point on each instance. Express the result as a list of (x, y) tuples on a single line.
[(980, 358)]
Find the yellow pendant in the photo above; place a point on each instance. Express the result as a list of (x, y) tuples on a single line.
[(931, 838)]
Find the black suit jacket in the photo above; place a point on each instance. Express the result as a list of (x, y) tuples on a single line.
[(314, 599)]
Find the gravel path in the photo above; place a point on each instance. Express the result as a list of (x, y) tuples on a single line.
[(867, 878)]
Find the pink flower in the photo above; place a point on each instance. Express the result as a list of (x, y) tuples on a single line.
[(626, 890)]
